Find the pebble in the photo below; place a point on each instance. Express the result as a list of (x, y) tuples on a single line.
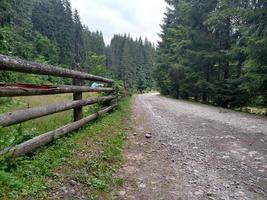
[(73, 183), (259, 159), (148, 136), (64, 188), (72, 191), (121, 193), (225, 157), (231, 195), (154, 182), (209, 194), (142, 185), (198, 193), (193, 182), (252, 153)]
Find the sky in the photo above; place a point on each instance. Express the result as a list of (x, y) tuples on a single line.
[(139, 18)]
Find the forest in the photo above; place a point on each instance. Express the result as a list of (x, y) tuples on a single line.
[(214, 52), (141, 128), (210, 51), (49, 32)]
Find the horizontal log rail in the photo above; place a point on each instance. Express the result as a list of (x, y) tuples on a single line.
[(12, 118), (9, 90), (8, 63), (38, 141)]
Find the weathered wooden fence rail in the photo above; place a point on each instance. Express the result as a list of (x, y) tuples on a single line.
[(8, 63), (10, 90)]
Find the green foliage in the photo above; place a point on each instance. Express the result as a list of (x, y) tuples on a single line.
[(6, 40), (131, 61), (93, 41), (213, 51), (28, 176), (50, 32), (8, 180), (46, 51), (16, 136), (95, 64), (47, 32), (5, 12), (78, 40)]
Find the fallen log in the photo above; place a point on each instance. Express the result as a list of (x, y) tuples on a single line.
[(8, 90), (9, 63), (11, 118), (44, 139)]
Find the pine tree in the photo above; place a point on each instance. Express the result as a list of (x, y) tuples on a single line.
[(255, 45), (206, 51), (78, 40), (48, 32), (6, 12), (67, 35), (131, 61)]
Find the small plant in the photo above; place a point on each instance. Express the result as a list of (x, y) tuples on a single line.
[(24, 135), (8, 180), (97, 184)]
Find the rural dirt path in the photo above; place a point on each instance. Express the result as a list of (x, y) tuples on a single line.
[(196, 152)]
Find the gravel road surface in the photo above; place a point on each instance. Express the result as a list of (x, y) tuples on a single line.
[(195, 152)]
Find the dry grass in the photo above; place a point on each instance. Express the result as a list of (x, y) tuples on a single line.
[(50, 122), (37, 126)]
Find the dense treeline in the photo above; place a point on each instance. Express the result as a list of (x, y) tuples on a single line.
[(214, 51), (131, 61), (48, 31)]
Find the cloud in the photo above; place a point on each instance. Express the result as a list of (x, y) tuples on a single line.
[(140, 18)]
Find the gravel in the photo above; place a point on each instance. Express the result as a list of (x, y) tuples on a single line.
[(197, 152)]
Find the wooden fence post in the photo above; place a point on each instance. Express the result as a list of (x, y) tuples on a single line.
[(77, 89), (77, 112)]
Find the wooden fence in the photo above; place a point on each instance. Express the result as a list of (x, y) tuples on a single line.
[(10, 90)]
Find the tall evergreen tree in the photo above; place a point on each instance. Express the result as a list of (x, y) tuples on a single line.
[(67, 35), (78, 40), (205, 51), (48, 32), (132, 61), (6, 12)]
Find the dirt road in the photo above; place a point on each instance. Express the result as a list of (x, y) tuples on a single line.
[(196, 152)]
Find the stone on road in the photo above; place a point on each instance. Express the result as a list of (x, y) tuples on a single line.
[(197, 152)]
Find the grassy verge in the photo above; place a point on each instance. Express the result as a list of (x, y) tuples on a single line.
[(249, 109), (80, 165)]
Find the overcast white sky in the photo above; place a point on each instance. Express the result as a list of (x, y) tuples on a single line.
[(137, 17)]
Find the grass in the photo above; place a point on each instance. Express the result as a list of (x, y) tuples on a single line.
[(254, 110), (90, 157), (16, 134)]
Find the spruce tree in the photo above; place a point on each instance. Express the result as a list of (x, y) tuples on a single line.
[(209, 52), (78, 40)]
